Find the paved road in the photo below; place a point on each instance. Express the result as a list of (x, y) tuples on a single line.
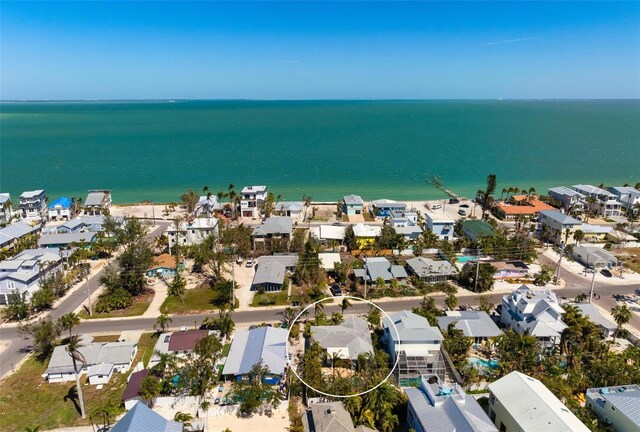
[(18, 345)]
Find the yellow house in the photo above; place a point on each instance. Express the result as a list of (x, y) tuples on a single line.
[(366, 235), (595, 233)]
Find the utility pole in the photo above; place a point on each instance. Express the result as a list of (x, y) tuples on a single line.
[(593, 281), (233, 286), (559, 262), (365, 276), (477, 270), (86, 278), (153, 212)]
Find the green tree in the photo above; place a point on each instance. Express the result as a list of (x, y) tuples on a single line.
[(17, 308), (189, 201), (162, 323), (345, 304), (177, 287), (149, 389), (68, 321), (451, 301), (184, 418), (42, 299), (73, 349), (621, 315), (373, 316), (578, 236), (467, 277), (487, 194), (429, 310), (484, 304), (289, 314), (457, 345), (298, 241), (544, 276), (43, 334), (517, 352), (253, 392), (388, 239)]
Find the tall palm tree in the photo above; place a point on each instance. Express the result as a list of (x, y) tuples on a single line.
[(451, 301), (621, 315), (68, 322), (162, 323), (73, 348), (318, 309), (578, 236), (346, 304), (504, 191)]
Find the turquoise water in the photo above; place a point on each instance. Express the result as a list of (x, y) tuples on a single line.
[(486, 364), (326, 149)]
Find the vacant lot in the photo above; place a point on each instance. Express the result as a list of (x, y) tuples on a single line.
[(139, 306), (631, 258), (195, 300), (27, 400), (279, 298)]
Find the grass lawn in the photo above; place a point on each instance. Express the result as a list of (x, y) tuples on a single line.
[(195, 300), (368, 217), (139, 306), (106, 338), (225, 349), (271, 299), (26, 399)]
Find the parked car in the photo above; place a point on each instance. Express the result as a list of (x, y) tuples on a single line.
[(249, 263), (605, 273), (462, 212), (454, 200), (337, 224), (464, 205), (436, 207), (335, 290)]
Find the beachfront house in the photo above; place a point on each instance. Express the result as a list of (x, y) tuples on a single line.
[(376, 268), (296, 210), (518, 402), (593, 256), (441, 225), (251, 199), (274, 230), (510, 269), (98, 202), (383, 207), (436, 407), (627, 196), (414, 343), (348, 340), (476, 229), (6, 208), (271, 271), (61, 208), (353, 205), (25, 272), (65, 240), (192, 232), (560, 226), (405, 224), (519, 206), (430, 270), (33, 204), (206, 206), (112, 356), (329, 417), (573, 202), (17, 230), (365, 235), (617, 406), (602, 202), (249, 347), (534, 311), (142, 418), (476, 325)]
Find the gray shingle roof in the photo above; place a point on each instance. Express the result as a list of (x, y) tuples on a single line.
[(94, 353), (66, 238), (251, 346), (353, 200), (353, 334), (411, 328), (271, 269), (424, 267), (472, 323), (560, 217), (141, 418), (274, 225), (327, 417)]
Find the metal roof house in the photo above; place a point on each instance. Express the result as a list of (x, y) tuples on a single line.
[(60, 208), (616, 406), (271, 271), (435, 407), (97, 202), (536, 311), (380, 267), (571, 200), (593, 256), (353, 205), (590, 311), (329, 417), (431, 270), (474, 229), (23, 272), (251, 198), (519, 402), (141, 418), (76, 239), (559, 224), (348, 340), (275, 228), (249, 347), (474, 324), (11, 233), (416, 342), (292, 209), (193, 232)]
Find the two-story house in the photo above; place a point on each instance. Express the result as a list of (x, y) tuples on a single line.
[(604, 202), (61, 208), (383, 207), (193, 232), (98, 202), (353, 205), (560, 226), (275, 229), (627, 196), (440, 225), (534, 311), (431, 270), (573, 202), (25, 272), (17, 230), (6, 208), (617, 406), (251, 198), (33, 204)]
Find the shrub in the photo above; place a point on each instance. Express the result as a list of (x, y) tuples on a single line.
[(114, 300)]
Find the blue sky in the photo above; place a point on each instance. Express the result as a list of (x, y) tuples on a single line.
[(265, 50)]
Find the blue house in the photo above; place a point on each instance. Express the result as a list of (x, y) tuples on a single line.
[(249, 347), (60, 208), (353, 205)]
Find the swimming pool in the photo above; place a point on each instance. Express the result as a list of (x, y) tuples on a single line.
[(463, 259), (482, 363)]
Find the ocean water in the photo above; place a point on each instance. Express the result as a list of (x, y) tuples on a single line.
[(326, 149)]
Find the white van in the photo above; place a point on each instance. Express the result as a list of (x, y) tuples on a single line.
[(436, 207)]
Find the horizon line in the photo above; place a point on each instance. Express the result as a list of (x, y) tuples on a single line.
[(304, 100)]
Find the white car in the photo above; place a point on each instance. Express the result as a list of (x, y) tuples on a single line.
[(436, 207)]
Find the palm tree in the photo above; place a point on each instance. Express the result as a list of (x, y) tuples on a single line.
[(621, 315), (510, 191), (346, 304), (319, 308), (451, 301), (32, 429), (73, 348), (68, 322), (162, 323), (578, 236), (504, 191), (205, 189), (184, 418)]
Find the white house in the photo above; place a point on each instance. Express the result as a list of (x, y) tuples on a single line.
[(572, 201), (207, 206), (606, 203), (11, 233), (474, 324), (327, 234), (405, 224), (348, 340), (518, 402), (101, 354), (441, 225), (627, 196), (6, 208), (384, 207), (617, 406), (33, 204), (191, 233), (535, 311), (100, 373), (561, 226), (97, 202), (296, 210), (275, 228), (416, 342), (251, 198), (86, 223), (61, 208), (25, 271)]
